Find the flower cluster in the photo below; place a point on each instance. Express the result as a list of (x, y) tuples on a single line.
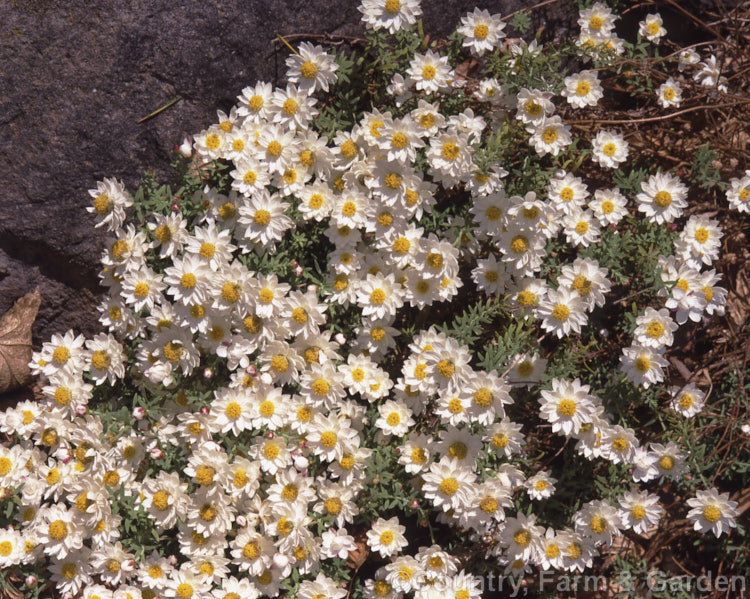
[(262, 398)]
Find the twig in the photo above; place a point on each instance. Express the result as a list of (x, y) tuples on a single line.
[(162, 109), (664, 117), (529, 9)]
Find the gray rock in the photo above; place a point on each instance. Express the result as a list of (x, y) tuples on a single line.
[(76, 76)]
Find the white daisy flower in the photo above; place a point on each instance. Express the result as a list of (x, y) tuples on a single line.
[(582, 89), (562, 312), (687, 400), (609, 149), (311, 68), (481, 31), (609, 206), (643, 365), (640, 511), (712, 511), (550, 136), (651, 28), (669, 93), (655, 329), (390, 15), (663, 198)]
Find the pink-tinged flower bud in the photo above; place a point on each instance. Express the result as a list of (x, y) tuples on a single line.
[(301, 463), (208, 373), (64, 455), (128, 565), (31, 581), (672, 227), (175, 208), (139, 413), (157, 453), (414, 504), (270, 435), (82, 409), (241, 521), (295, 264), (172, 559), (67, 595), (186, 149), (251, 370), (339, 338), (205, 410), (298, 271)]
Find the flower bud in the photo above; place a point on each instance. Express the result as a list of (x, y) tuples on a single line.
[(31, 581), (298, 271), (128, 565), (175, 208), (270, 435), (205, 410), (251, 370), (312, 289), (156, 453), (339, 338), (139, 413), (186, 148), (301, 463), (82, 409), (241, 521), (414, 504), (208, 373), (172, 559)]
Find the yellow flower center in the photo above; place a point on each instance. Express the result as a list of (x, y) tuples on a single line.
[(271, 451), (111, 478), (418, 455), (386, 538), (663, 199), (207, 250), (262, 217), (583, 88), (69, 571), (172, 351), (552, 551), (596, 22), (256, 102), (161, 500), (711, 514), (103, 205), (449, 151), (582, 227), (290, 492), (620, 444), (240, 478), (449, 486), (492, 213), (333, 506), (481, 31), (392, 6), (61, 355), (429, 72), (541, 485), (213, 141), (445, 368), (489, 505), (393, 419), (275, 149), (205, 475), (519, 244), (347, 462), (701, 235), (184, 590), (279, 363), (63, 396), (607, 207), (686, 401), (533, 108), (609, 149), (458, 450), (349, 149), (328, 439), (566, 194), (377, 296), (284, 526), (567, 407), (393, 180), (265, 578), (549, 135), (250, 177), (598, 525), (58, 530), (642, 364), (289, 106), (638, 512), (398, 140), (233, 410), (455, 406), (522, 537), (561, 312), (653, 28), (500, 441), (231, 292), (666, 462), (483, 398), (526, 298)]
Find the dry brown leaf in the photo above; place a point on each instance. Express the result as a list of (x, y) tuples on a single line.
[(15, 341)]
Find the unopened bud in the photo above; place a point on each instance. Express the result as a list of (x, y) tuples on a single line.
[(175, 208), (414, 504), (208, 373), (139, 413), (241, 521), (270, 435), (301, 463), (186, 149), (172, 559), (128, 565), (31, 581), (251, 370), (339, 338), (157, 453), (312, 289), (82, 409), (298, 271), (205, 410)]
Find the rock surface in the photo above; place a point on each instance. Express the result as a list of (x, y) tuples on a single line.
[(76, 76)]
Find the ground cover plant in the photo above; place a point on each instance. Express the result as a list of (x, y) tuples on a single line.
[(433, 316)]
